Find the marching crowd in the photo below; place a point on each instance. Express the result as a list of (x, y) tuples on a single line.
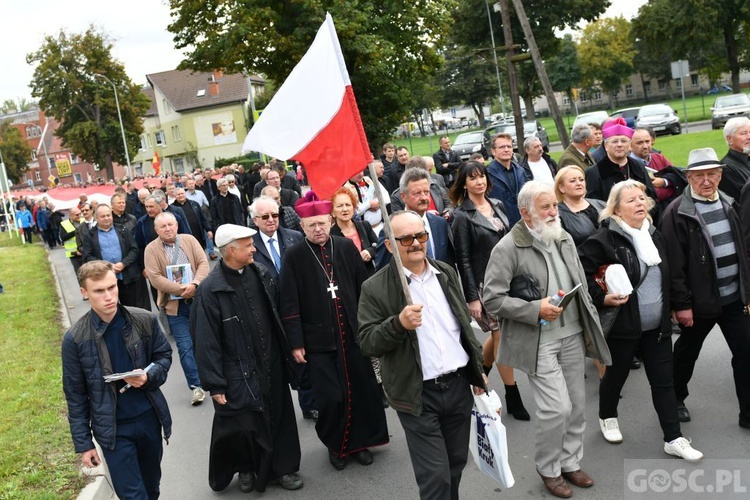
[(306, 295)]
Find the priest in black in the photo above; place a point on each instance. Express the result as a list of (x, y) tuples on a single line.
[(245, 362), (321, 278)]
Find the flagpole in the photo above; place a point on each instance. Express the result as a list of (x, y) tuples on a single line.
[(389, 233)]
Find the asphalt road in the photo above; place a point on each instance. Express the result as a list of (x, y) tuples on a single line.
[(714, 431)]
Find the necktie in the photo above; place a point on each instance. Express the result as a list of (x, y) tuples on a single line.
[(275, 254), (430, 251)]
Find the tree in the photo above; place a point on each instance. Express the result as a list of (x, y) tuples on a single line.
[(546, 17), (563, 68), (713, 36), (606, 53), (65, 83), (10, 106), (15, 150), (388, 48), (466, 79)]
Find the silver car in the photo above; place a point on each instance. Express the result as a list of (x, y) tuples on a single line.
[(729, 106), (660, 118)]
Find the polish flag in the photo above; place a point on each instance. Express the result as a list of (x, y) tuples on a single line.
[(313, 118)]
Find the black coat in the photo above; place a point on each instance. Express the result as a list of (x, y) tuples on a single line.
[(735, 174), (217, 215), (605, 174), (226, 360), (579, 225), (610, 245), (474, 237), (92, 250), (287, 239), (691, 257), (453, 161)]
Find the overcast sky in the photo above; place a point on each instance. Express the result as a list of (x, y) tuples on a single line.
[(138, 29)]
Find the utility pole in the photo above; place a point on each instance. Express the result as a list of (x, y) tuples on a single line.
[(541, 71), (512, 77)]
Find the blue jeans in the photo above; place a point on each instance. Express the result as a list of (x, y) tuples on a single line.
[(181, 333), (135, 463), (209, 243)]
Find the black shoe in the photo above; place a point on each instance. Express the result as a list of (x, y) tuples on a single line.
[(288, 481), (683, 415), (311, 415), (635, 364), (247, 481), (339, 463), (364, 457), (745, 423), (514, 404)]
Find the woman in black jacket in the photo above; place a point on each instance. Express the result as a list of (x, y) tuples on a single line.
[(643, 322), (479, 222), (579, 215)]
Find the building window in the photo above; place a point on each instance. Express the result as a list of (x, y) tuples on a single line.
[(77, 177), (51, 162), (179, 165), (678, 82), (694, 80), (647, 87), (74, 159), (598, 95), (33, 154), (160, 139), (144, 137), (566, 100), (176, 134), (628, 90), (582, 96), (33, 131), (38, 175), (662, 85)]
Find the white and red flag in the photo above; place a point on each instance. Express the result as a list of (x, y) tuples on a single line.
[(313, 118)]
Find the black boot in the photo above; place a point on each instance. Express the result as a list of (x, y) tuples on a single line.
[(514, 405)]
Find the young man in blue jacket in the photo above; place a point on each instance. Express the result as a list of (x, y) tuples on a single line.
[(126, 417)]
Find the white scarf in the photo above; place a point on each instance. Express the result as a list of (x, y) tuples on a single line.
[(644, 244)]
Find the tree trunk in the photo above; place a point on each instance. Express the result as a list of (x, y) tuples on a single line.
[(732, 57)]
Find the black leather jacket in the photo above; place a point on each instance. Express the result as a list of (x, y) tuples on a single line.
[(474, 237)]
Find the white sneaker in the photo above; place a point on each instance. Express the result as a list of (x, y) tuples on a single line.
[(198, 396), (611, 430), (680, 447)]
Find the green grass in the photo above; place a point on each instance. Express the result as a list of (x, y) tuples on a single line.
[(36, 458)]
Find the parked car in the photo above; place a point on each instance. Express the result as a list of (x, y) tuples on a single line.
[(715, 89), (592, 117), (729, 106), (530, 129), (628, 114), (472, 142), (661, 118)]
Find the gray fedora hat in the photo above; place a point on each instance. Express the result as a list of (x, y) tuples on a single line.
[(703, 159)]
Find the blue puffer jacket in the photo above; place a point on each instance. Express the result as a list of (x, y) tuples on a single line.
[(85, 361)]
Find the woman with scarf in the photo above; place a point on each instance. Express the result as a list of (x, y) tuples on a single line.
[(627, 237)]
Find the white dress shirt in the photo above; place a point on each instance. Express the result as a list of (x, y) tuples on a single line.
[(439, 336)]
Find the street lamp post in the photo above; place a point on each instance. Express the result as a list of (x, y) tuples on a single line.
[(494, 54), (122, 128)]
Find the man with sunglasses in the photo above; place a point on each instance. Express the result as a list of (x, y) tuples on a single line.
[(429, 350), (271, 241)]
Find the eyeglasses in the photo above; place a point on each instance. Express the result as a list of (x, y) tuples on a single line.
[(275, 215), (408, 240), (231, 182)]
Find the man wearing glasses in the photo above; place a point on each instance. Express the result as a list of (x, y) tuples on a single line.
[(430, 350), (271, 241), (507, 176)]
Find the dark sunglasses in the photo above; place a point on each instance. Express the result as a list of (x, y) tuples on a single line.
[(268, 216), (407, 241)]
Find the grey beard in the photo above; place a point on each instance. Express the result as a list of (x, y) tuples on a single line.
[(548, 233)]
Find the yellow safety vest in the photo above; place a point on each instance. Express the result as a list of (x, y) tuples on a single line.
[(70, 244)]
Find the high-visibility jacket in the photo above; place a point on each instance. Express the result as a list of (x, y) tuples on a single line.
[(68, 235)]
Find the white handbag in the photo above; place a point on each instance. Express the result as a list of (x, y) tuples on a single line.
[(487, 441)]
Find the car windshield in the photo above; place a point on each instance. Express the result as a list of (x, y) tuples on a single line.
[(732, 100), (655, 110), (468, 138)]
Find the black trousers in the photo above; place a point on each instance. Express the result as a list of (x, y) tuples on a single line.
[(438, 439), (657, 360), (134, 294), (735, 325)]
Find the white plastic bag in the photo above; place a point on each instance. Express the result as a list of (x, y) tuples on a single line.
[(617, 280), (487, 441)]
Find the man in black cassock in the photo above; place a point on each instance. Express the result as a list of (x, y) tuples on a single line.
[(321, 279), (245, 362)]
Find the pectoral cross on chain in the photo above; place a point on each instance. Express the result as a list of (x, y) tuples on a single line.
[(332, 289)]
